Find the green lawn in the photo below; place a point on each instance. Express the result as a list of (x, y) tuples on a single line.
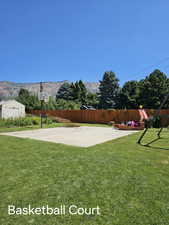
[(11, 129), (129, 183)]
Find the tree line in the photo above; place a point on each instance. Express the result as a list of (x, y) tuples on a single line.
[(148, 92)]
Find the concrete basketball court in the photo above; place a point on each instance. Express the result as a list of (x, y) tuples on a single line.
[(77, 136)]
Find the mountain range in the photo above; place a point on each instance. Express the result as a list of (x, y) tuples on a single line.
[(11, 89)]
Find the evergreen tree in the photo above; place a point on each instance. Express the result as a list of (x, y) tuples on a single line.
[(30, 101), (23, 93), (109, 90), (65, 92), (92, 99), (129, 95), (83, 93), (153, 90), (51, 104), (76, 91), (66, 104), (24, 97)]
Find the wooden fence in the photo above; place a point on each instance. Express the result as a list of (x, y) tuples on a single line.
[(98, 116)]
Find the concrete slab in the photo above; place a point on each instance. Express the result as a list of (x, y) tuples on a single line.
[(77, 136)]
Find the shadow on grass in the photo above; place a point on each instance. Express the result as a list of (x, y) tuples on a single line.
[(148, 145)]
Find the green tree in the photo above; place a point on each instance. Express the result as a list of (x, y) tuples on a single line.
[(24, 97), (51, 104), (92, 99), (66, 104), (30, 101), (23, 92), (76, 91), (79, 92), (65, 92), (109, 90), (34, 102), (153, 90), (83, 93), (129, 95)]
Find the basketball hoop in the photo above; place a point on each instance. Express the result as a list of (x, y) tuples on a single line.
[(46, 99), (42, 96)]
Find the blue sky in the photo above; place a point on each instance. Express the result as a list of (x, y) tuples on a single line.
[(70, 40)]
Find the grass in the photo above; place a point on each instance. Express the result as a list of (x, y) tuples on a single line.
[(53, 125), (129, 182)]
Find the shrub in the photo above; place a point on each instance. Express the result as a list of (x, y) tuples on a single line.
[(35, 120), (48, 121), (19, 122), (23, 122)]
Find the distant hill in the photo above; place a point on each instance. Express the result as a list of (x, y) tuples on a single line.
[(11, 89)]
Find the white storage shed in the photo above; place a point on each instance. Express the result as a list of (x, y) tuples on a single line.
[(11, 109)]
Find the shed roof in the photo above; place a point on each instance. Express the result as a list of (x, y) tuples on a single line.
[(8, 102)]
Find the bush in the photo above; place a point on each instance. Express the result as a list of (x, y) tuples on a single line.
[(19, 122), (48, 121), (23, 122), (35, 120)]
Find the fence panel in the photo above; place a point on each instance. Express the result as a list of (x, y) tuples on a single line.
[(93, 116), (99, 116)]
